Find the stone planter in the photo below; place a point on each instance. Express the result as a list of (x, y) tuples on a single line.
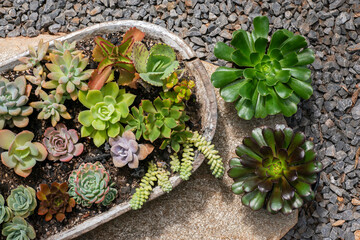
[(204, 95)]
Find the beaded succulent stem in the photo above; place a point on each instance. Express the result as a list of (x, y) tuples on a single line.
[(206, 148), (187, 161), (163, 179), (143, 192), (175, 162)]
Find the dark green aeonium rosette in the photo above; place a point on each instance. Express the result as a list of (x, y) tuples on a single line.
[(276, 168), (270, 79)]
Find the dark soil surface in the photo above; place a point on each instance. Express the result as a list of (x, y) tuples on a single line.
[(126, 179)]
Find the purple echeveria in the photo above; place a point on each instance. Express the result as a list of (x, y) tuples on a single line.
[(125, 150), (62, 143)]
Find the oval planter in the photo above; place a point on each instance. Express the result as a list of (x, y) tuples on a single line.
[(204, 94)]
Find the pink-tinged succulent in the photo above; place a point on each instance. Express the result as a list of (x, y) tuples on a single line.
[(125, 150), (61, 143)]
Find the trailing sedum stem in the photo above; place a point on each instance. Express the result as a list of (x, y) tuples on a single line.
[(143, 192), (163, 179), (187, 161), (175, 162), (206, 148)]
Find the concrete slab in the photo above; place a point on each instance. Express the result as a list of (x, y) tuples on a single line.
[(12, 46)]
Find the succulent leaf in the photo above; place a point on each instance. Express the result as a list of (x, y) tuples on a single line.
[(273, 169), (269, 81), (13, 103), (156, 65)]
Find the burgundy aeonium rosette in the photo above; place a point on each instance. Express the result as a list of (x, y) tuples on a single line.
[(61, 143)]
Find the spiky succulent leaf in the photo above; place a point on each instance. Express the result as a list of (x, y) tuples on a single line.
[(107, 107), (90, 184), (271, 79), (22, 153), (275, 168), (13, 102)]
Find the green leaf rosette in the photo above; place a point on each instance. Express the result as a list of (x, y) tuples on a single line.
[(270, 78)]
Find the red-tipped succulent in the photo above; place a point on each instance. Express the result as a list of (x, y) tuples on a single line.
[(111, 57), (61, 143), (55, 200)]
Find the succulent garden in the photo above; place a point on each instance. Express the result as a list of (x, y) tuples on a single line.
[(93, 126), (81, 131)]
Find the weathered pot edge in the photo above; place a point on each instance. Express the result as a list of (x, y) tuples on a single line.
[(192, 63)]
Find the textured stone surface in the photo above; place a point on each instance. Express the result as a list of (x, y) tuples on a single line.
[(12, 46), (203, 207)]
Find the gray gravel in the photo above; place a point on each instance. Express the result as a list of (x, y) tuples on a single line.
[(329, 117)]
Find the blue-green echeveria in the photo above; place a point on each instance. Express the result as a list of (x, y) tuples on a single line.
[(13, 100), (22, 201), (18, 229), (5, 212)]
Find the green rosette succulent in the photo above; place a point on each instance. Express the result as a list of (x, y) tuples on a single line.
[(90, 184), (36, 56), (38, 78), (52, 107), (5, 212), (22, 153), (22, 201), (136, 122), (276, 169), (156, 65), (270, 79), (107, 107), (67, 74), (18, 229), (13, 100)]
